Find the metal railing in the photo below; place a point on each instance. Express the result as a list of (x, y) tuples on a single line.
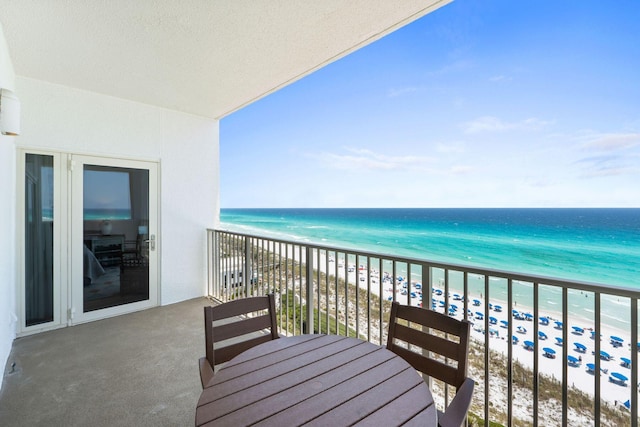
[(343, 291)]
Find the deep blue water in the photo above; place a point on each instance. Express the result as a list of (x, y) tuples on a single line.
[(593, 245)]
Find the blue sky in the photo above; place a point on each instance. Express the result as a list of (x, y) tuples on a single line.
[(494, 103)]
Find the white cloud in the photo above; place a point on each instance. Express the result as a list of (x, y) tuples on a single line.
[(460, 169), (356, 158), (394, 92), (494, 124), (613, 141), (452, 147)]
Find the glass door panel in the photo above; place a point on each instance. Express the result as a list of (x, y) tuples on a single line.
[(114, 217), (39, 301), (115, 236)]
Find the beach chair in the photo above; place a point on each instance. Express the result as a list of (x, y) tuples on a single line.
[(225, 323), (446, 341)]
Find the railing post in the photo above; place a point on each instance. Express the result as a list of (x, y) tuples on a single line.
[(212, 255), (309, 290), (247, 273)]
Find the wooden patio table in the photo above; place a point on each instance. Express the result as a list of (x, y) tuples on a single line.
[(323, 380)]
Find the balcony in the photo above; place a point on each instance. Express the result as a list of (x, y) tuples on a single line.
[(533, 348), (141, 368), (132, 370)]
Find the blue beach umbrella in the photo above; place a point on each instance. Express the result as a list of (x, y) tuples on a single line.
[(418, 286), (619, 377), (591, 367), (580, 347), (521, 329), (504, 323), (625, 362), (528, 316), (497, 308), (528, 345), (479, 315), (558, 324), (559, 340), (573, 361), (544, 320), (454, 307), (578, 330), (542, 335), (514, 339), (549, 352), (604, 355), (615, 338), (476, 302), (493, 320)]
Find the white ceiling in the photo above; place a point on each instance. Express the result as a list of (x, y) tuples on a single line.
[(204, 57)]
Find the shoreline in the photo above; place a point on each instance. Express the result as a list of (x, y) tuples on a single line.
[(549, 363)]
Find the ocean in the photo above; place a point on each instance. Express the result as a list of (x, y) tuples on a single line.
[(593, 245)]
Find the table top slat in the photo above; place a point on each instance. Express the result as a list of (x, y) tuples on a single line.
[(226, 397), (403, 409), (277, 354), (345, 391), (282, 401), (325, 380), (369, 401)]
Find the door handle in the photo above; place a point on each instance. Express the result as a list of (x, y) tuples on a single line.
[(152, 242)]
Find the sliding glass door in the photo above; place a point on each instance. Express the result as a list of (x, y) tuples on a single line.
[(114, 236), (89, 238)]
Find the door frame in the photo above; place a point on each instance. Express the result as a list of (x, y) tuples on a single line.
[(67, 259), (76, 239)]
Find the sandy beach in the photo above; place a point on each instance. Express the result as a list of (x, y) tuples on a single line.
[(580, 345)]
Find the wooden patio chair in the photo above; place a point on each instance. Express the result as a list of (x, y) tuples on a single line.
[(229, 330), (436, 345)]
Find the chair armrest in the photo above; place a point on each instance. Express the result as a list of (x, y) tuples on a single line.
[(206, 371), (457, 410)]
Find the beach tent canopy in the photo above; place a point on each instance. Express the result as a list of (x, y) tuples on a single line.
[(558, 324), (618, 376), (580, 346)]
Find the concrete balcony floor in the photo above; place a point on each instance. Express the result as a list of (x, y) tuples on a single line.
[(139, 369)]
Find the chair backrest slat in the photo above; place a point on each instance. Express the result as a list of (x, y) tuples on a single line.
[(442, 341), (241, 327), (234, 321)]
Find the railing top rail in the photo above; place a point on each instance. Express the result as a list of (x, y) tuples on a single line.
[(528, 278)]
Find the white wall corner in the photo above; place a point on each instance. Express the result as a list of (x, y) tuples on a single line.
[(7, 218)]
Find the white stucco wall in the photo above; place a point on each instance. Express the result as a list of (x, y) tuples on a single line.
[(7, 218), (64, 119)]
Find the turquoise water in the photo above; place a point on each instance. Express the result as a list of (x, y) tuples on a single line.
[(593, 245)]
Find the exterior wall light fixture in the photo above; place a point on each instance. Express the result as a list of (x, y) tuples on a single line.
[(9, 113)]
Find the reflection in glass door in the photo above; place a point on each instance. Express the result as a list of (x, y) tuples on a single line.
[(115, 236), (38, 240)]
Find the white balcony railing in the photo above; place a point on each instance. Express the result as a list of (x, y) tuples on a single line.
[(524, 376)]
